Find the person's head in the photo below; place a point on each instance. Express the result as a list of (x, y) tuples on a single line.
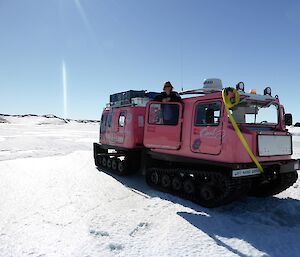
[(168, 87)]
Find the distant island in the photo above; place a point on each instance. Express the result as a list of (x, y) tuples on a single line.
[(5, 118)]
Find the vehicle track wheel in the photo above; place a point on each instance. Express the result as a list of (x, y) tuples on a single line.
[(121, 167), (165, 181), (177, 183), (189, 186), (104, 161), (98, 161), (114, 164), (207, 193), (154, 177), (108, 163)]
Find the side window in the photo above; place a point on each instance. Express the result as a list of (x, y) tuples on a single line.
[(208, 114), (282, 112), (122, 119), (108, 120), (103, 123), (163, 114)]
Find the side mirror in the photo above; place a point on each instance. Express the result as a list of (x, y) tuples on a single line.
[(288, 119)]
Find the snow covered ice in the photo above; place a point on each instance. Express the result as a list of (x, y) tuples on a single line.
[(54, 202)]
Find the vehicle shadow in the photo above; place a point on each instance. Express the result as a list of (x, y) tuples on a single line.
[(259, 226), (269, 226), (136, 183)]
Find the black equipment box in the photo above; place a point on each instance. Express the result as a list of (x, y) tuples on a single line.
[(125, 97)]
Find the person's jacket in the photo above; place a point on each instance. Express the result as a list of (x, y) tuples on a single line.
[(175, 97)]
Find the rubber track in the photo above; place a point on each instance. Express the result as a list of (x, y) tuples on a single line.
[(227, 189), (275, 187), (129, 166)]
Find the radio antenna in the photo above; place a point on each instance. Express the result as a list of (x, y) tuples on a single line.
[(181, 65)]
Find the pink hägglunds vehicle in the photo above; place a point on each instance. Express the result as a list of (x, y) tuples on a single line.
[(217, 145)]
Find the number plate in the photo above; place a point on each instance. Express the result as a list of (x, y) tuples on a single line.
[(245, 172)]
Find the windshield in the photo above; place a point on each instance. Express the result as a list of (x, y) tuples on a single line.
[(250, 112)]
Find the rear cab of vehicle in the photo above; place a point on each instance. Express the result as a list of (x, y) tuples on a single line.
[(121, 129)]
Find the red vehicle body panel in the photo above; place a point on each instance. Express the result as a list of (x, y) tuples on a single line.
[(130, 135), (160, 135)]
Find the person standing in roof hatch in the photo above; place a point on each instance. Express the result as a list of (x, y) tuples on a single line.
[(168, 95), (169, 112)]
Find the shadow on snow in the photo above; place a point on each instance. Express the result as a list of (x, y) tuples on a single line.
[(270, 225)]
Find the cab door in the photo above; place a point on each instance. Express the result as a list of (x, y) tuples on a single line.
[(207, 128), (120, 124), (163, 125)]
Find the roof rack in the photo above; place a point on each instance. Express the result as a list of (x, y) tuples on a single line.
[(116, 104), (200, 91), (135, 101)]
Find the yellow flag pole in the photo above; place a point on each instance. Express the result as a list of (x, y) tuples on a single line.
[(229, 105)]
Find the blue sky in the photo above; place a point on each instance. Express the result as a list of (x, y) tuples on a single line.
[(115, 45)]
